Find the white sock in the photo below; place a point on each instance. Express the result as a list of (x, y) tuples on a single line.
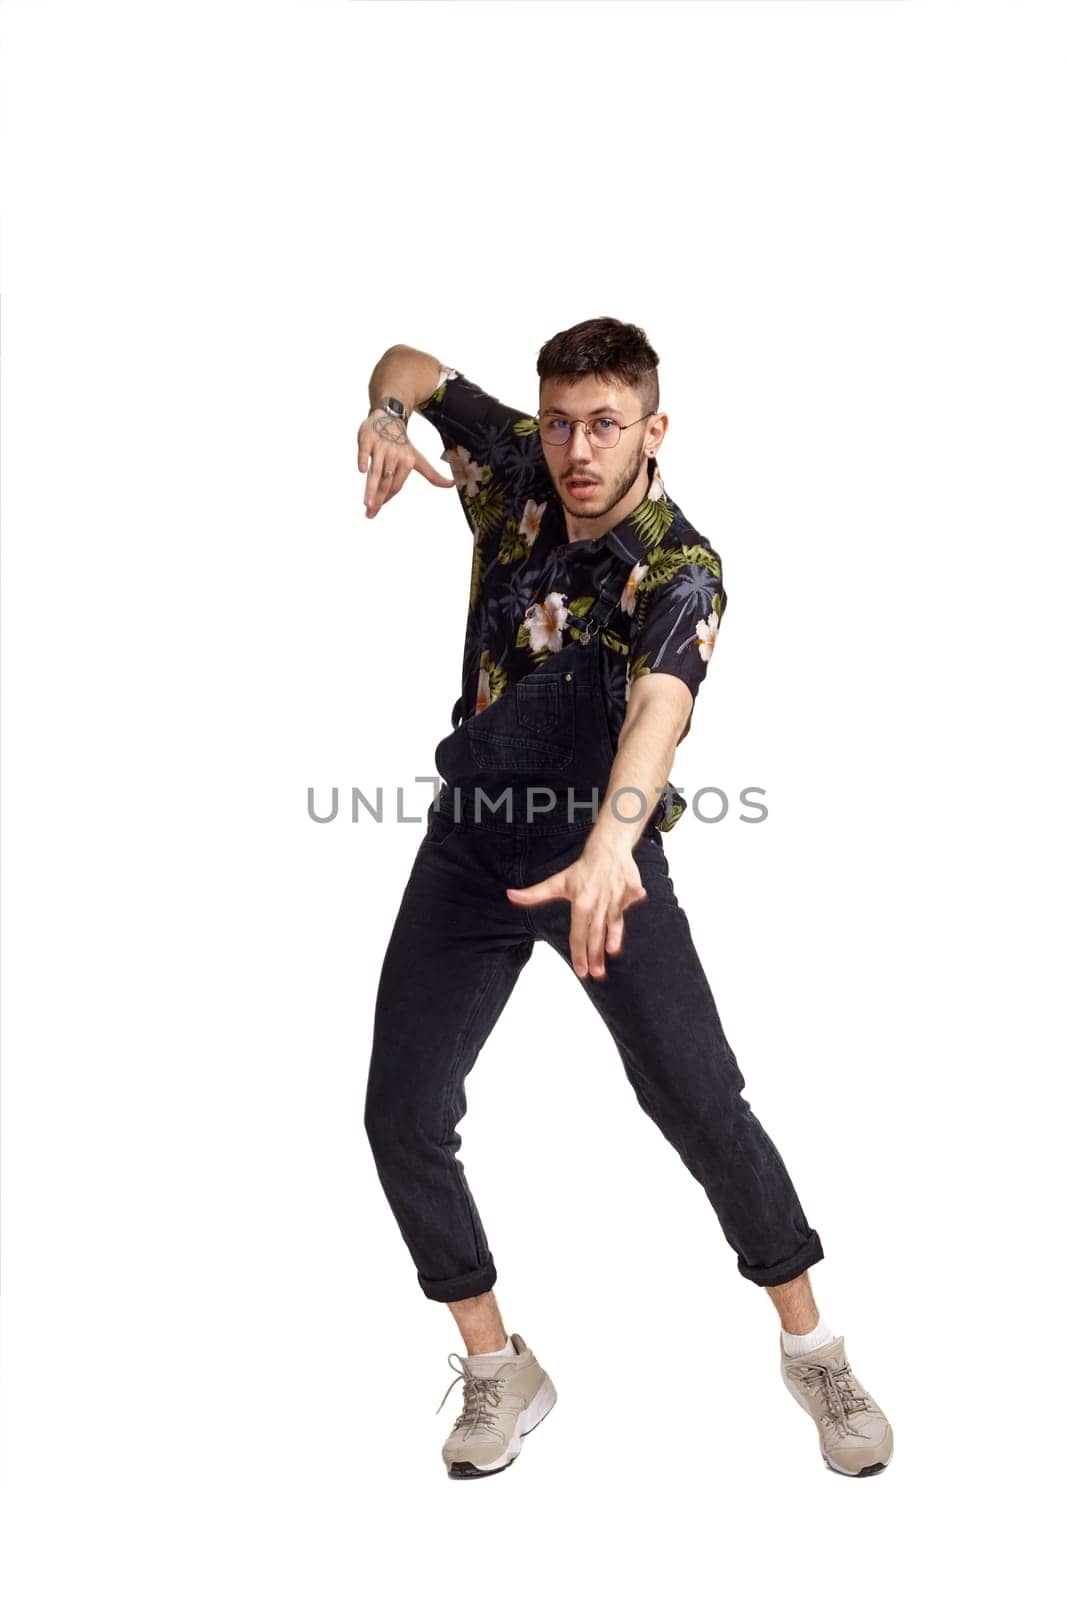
[(488, 1355), (801, 1344)]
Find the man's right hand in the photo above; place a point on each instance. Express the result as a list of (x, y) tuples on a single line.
[(387, 455)]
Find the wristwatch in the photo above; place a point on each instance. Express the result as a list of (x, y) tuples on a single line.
[(395, 407)]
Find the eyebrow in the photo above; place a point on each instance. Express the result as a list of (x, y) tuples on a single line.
[(598, 411)]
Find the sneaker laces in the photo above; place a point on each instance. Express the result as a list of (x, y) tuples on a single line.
[(842, 1393), (481, 1394)]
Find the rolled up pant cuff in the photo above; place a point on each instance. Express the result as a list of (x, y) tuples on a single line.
[(783, 1271), (480, 1281)]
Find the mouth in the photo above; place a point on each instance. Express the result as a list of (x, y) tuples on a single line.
[(581, 487)]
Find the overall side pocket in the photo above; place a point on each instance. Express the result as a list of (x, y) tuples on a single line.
[(438, 827)]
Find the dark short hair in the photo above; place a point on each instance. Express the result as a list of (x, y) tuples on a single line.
[(603, 347)]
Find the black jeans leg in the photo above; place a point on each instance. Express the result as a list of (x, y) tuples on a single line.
[(658, 1005), (456, 950), (455, 953)]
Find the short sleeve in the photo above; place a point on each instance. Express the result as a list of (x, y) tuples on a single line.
[(677, 616), (465, 415)]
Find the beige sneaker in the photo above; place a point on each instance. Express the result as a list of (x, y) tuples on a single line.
[(504, 1398), (854, 1435)]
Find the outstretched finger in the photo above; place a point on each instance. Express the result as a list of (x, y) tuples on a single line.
[(615, 930), (581, 924), (382, 473), (422, 465), (553, 888), (594, 942)]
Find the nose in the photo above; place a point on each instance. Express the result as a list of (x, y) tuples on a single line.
[(578, 447)]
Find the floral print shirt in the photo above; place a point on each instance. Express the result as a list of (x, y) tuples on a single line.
[(530, 585)]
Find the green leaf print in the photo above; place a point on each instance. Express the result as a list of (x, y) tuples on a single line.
[(638, 667), (668, 822), (696, 556), (486, 508), (513, 546), (524, 427), (579, 607), (477, 568), (664, 566), (652, 519), (498, 678)]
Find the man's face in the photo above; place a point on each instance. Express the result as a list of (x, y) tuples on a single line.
[(590, 480)]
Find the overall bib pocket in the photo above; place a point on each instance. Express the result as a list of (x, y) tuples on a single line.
[(530, 729)]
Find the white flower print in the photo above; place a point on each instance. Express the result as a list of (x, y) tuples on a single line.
[(629, 594), (706, 634), (546, 622), (656, 491), (530, 526), (467, 473), (483, 691)]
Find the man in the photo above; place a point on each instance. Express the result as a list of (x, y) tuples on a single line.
[(594, 610)]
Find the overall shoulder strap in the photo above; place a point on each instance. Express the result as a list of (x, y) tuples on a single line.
[(606, 602)]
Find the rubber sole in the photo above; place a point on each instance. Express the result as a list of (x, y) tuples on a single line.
[(864, 1472), (463, 1471)]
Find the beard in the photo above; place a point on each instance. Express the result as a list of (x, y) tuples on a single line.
[(617, 487)]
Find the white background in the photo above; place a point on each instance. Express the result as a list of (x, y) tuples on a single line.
[(841, 226)]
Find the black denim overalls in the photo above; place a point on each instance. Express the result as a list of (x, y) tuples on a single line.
[(545, 743), (459, 944)]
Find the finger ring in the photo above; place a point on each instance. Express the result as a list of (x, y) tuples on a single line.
[(387, 474)]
